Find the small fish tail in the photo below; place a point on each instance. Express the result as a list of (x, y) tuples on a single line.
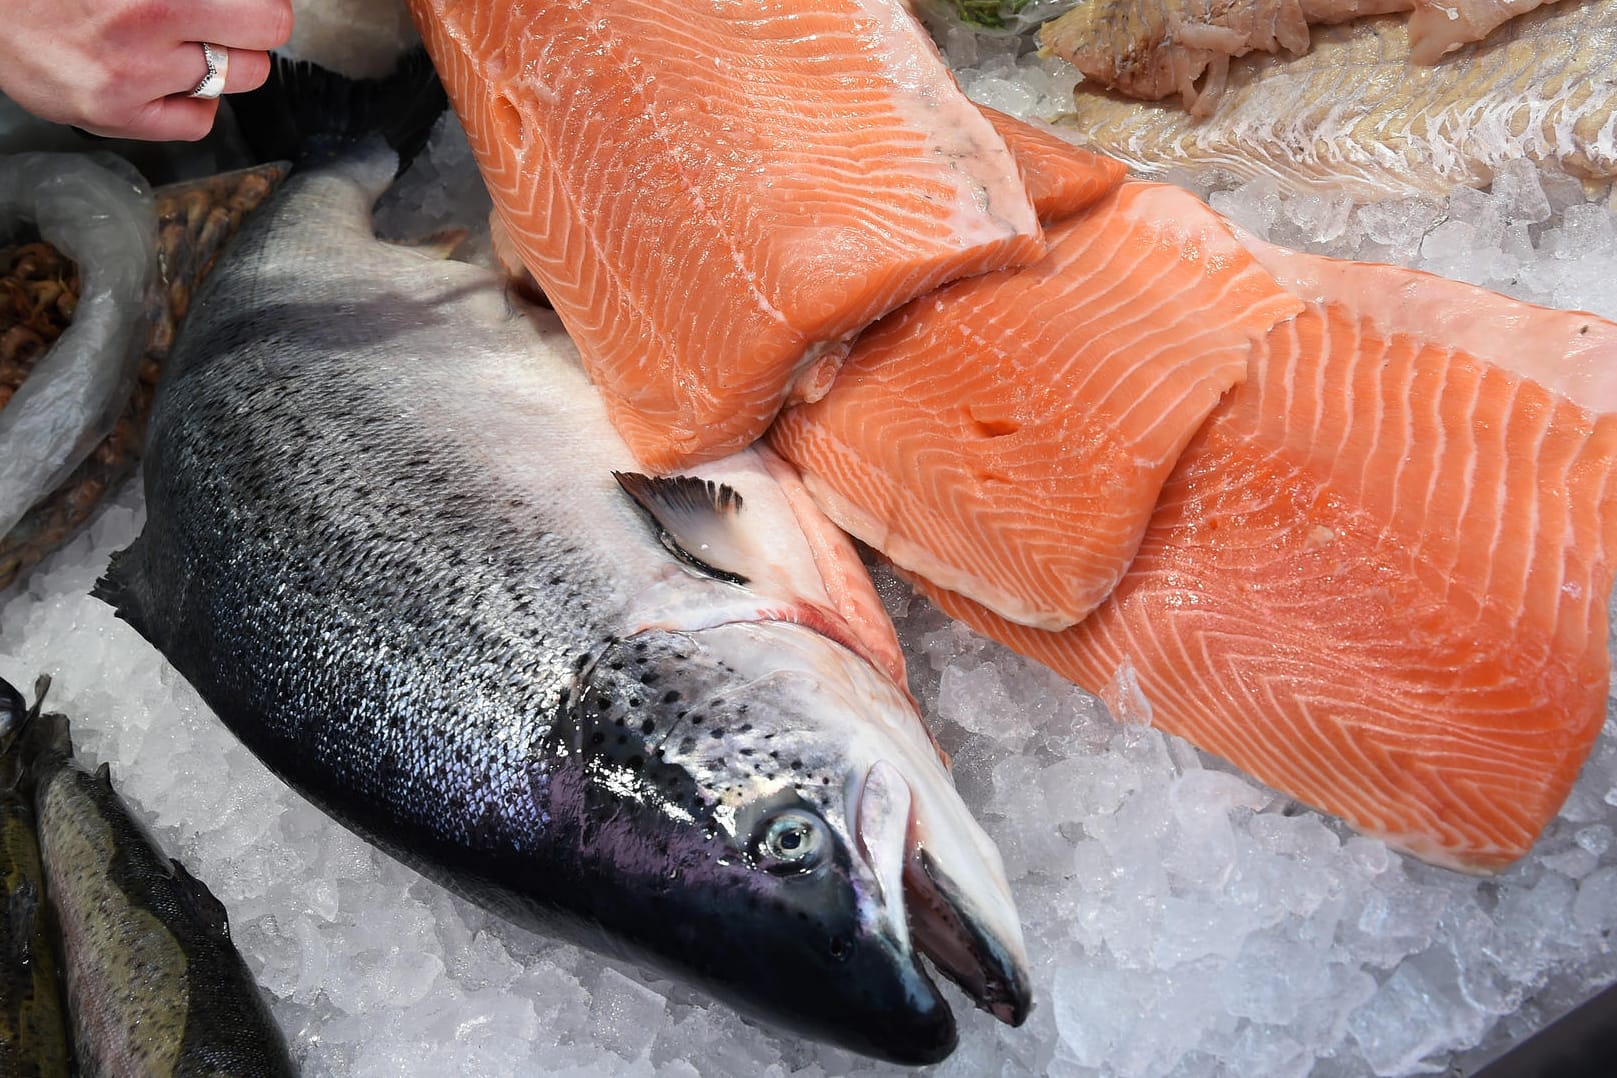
[(122, 588), (308, 113)]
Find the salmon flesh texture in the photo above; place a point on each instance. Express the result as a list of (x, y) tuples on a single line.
[(1062, 179), (1377, 578), (1007, 436), (712, 195)]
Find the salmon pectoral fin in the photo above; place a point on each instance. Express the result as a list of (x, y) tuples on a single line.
[(695, 520)]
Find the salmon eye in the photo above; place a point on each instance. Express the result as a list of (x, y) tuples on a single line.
[(790, 842)]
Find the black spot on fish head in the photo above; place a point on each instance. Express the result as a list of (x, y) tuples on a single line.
[(708, 837)]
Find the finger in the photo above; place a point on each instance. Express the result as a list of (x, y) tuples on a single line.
[(168, 119), (258, 25), (248, 70), (187, 67)]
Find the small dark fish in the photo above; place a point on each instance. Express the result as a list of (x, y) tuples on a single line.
[(154, 984), (33, 1035)]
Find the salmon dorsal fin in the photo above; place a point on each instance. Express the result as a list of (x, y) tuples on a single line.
[(695, 520)]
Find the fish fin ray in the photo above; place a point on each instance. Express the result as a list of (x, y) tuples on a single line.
[(695, 519), (23, 734), (304, 112), (201, 901), (42, 686), (117, 588)]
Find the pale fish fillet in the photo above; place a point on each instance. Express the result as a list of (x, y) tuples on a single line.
[(1007, 436), (1354, 112), (1159, 48), (713, 194), (1377, 579), (1438, 27)]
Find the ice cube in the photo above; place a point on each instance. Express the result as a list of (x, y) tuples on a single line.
[(625, 1015), (1585, 230), (1595, 908), (976, 698), (1520, 192), (1412, 1018)]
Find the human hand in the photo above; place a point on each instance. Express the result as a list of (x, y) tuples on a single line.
[(126, 68)]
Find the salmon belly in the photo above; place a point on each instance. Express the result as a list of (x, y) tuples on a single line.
[(1007, 436), (713, 195), (1377, 580)]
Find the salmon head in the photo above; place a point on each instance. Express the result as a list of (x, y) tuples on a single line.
[(752, 805)]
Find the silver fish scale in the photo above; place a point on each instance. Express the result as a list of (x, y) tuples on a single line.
[(424, 690)]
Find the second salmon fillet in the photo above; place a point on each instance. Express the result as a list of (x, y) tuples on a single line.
[(1007, 436), (1377, 579)]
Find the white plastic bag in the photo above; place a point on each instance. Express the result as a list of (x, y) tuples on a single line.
[(107, 224)]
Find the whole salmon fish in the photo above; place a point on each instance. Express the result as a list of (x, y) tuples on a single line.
[(395, 543)]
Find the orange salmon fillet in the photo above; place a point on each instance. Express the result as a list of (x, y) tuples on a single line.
[(1377, 579), (711, 194), (1060, 177), (1006, 437)]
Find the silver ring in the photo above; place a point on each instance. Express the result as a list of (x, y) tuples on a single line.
[(217, 57)]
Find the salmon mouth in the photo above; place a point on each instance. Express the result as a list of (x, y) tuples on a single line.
[(928, 912), (956, 945)]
